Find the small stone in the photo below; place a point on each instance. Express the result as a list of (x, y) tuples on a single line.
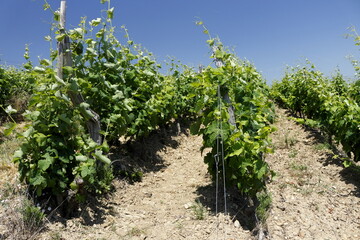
[(188, 205), (236, 224), (147, 195), (281, 208)]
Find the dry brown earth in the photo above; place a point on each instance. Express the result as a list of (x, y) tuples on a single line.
[(314, 197)]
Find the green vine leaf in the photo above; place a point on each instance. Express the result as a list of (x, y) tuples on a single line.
[(110, 13)]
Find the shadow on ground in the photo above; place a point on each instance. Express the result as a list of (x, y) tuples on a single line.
[(130, 160), (334, 156), (133, 157), (238, 207)]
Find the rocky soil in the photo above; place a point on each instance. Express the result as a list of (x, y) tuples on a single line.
[(174, 200), (313, 195)]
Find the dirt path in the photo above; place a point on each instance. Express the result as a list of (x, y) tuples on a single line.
[(314, 197), (166, 204)]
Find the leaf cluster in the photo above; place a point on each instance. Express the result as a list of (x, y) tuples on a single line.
[(331, 102), (246, 141), (119, 81), (57, 149), (16, 86), (122, 81)]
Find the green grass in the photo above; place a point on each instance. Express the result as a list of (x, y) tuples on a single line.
[(289, 140), (23, 220), (32, 215), (322, 146), (199, 211), (135, 231), (55, 236), (8, 145), (298, 167), (265, 201), (293, 153), (8, 170)]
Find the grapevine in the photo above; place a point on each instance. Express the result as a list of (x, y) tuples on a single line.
[(330, 102), (246, 142)]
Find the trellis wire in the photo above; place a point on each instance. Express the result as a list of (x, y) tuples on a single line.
[(219, 154)]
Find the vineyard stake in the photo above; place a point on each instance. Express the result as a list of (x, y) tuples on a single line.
[(64, 60)]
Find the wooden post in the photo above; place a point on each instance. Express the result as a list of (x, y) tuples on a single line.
[(64, 60)]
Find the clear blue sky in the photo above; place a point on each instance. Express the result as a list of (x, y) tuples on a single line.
[(269, 33)]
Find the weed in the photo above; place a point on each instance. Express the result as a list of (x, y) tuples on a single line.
[(135, 231), (262, 210), (32, 215), (21, 218), (293, 153), (6, 191), (306, 191), (283, 186), (179, 225), (199, 211), (289, 140), (55, 236), (300, 173), (131, 175), (8, 170), (297, 167), (322, 146), (7, 149)]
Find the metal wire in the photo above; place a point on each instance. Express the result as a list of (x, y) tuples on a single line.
[(216, 182), (220, 144), (219, 156)]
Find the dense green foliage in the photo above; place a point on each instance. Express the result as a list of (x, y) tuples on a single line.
[(56, 148), (120, 82), (333, 103), (15, 89), (246, 142)]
